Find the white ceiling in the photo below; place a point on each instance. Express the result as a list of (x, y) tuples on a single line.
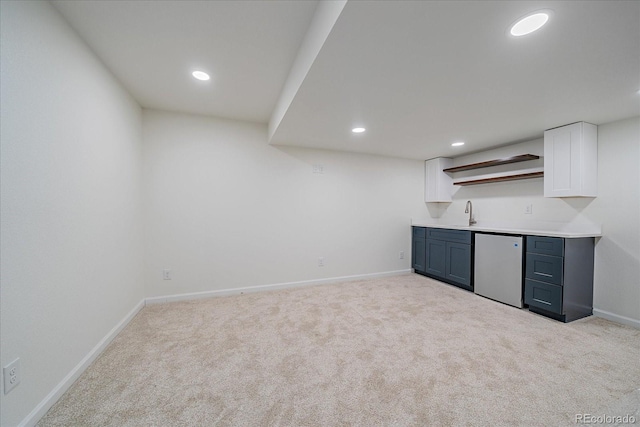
[(152, 46), (418, 75)]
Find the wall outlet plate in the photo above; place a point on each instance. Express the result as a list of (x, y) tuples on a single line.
[(12, 375)]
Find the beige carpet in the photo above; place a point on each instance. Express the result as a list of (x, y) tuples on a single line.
[(401, 351)]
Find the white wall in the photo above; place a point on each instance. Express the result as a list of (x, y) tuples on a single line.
[(617, 209), (70, 190), (224, 210)]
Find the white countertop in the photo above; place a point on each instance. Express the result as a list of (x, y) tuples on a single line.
[(533, 228)]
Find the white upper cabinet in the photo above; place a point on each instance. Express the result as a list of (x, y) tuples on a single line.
[(571, 161), (438, 185)]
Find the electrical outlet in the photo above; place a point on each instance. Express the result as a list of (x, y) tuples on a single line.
[(528, 210), (320, 262), (166, 274), (11, 374), (401, 254)]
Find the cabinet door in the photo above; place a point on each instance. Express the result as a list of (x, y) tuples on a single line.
[(458, 263), (435, 257), (438, 186), (419, 254), (571, 161)]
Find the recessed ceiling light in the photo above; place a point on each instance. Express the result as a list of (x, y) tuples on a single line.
[(358, 130), (529, 23), (457, 144), (200, 75)]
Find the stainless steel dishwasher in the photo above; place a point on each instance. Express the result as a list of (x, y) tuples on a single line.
[(498, 267)]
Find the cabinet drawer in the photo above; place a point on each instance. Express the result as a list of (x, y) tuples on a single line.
[(419, 232), (543, 295), (545, 245), (458, 236), (544, 268)]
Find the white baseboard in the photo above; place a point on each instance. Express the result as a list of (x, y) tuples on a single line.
[(260, 288), (617, 318), (46, 404)]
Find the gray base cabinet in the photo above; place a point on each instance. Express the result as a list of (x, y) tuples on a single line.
[(444, 254), (458, 264), (436, 258), (418, 249), (559, 277)]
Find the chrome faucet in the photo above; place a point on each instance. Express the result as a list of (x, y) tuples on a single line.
[(469, 210)]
